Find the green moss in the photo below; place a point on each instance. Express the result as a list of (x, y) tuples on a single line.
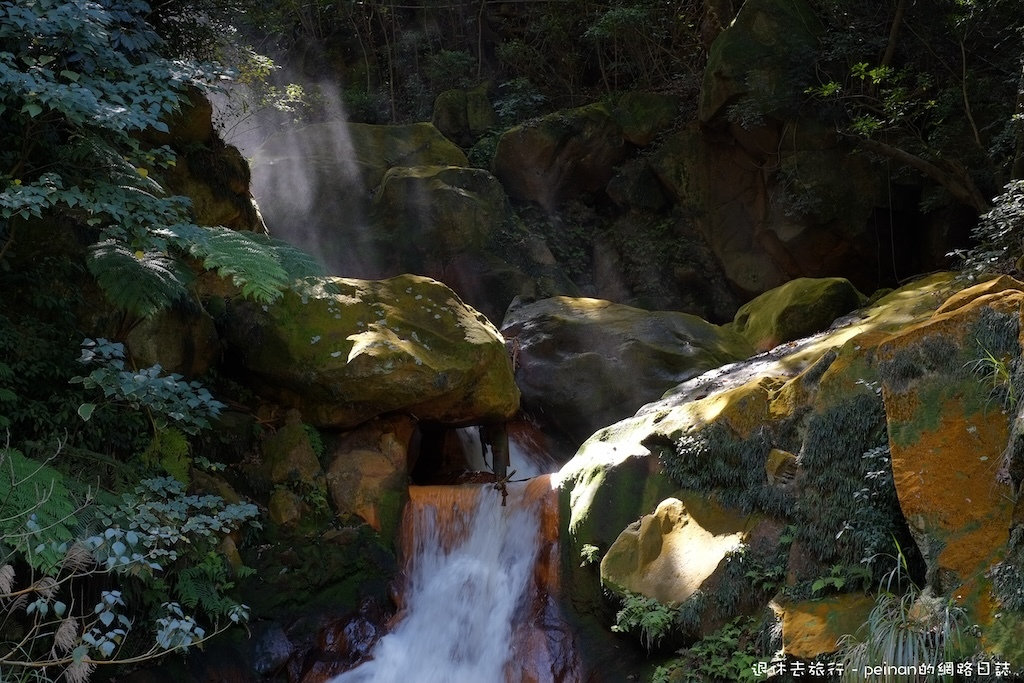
[(844, 514), (714, 458)]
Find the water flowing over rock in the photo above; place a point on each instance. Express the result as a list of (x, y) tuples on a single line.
[(475, 607), (352, 349), (585, 363)]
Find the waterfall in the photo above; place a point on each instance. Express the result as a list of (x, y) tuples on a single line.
[(477, 604)]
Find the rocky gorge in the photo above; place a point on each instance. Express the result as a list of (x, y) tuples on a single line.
[(757, 419)]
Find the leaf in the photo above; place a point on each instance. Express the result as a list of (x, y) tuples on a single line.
[(107, 618), (32, 109), (140, 286), (85, 410)]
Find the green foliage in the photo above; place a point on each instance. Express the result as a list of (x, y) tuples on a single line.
[(589, 554), (648, 618), (518, 100), (935, 87), (712, 458), (728, 654), (157, 535), (168, 399), (998, 236), (849, 503), (840, 576), (36, 504), (82, 99)]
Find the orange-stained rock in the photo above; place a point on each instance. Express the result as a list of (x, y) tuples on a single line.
[(369, 472), (814, 627), (947, 435), (989, 287)]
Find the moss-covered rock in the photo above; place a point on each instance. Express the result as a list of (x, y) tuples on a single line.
[(756, 56), (811, 628), (368, 473), (315, 185), (643, 115), (796, 309), (585, 363), (353, 349), (444, 222), (181, 339), (464, 115), (558, 156)]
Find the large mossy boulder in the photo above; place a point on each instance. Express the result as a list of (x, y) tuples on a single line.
[(755, 59), (444, 222), (796, 309), (792, 436), (559, 156), (462, 116), (350, 350), (644, 115), (587, 363)]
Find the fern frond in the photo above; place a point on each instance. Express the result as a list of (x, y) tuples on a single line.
[(248, 259), (142, 286), (36, 504)]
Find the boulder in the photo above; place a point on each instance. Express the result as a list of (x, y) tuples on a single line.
[(559, 156), (796, 438), (451, 223), (644, 115), (755, 58), (369, 472), (812, 628), (586, 363), (796, 309), (462, 116), (216, 178), (675, 551), (349, 350), (288, 456), (767, 229), (945, 399), (182, 340)]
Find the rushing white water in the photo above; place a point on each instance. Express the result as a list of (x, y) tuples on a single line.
[(472, 562)]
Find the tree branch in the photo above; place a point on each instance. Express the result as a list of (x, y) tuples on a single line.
[(957, 183)]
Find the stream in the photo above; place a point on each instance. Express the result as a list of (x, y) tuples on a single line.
[(478, 601)]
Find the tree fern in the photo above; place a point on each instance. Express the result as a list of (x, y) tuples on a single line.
[(142, 283), (261, 266)]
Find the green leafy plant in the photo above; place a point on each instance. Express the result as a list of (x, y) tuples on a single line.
[(75, 106), (168, 399), (840, 576), (648, 618), (589, 554), (908, 626), (157, 535), (729, 654)]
